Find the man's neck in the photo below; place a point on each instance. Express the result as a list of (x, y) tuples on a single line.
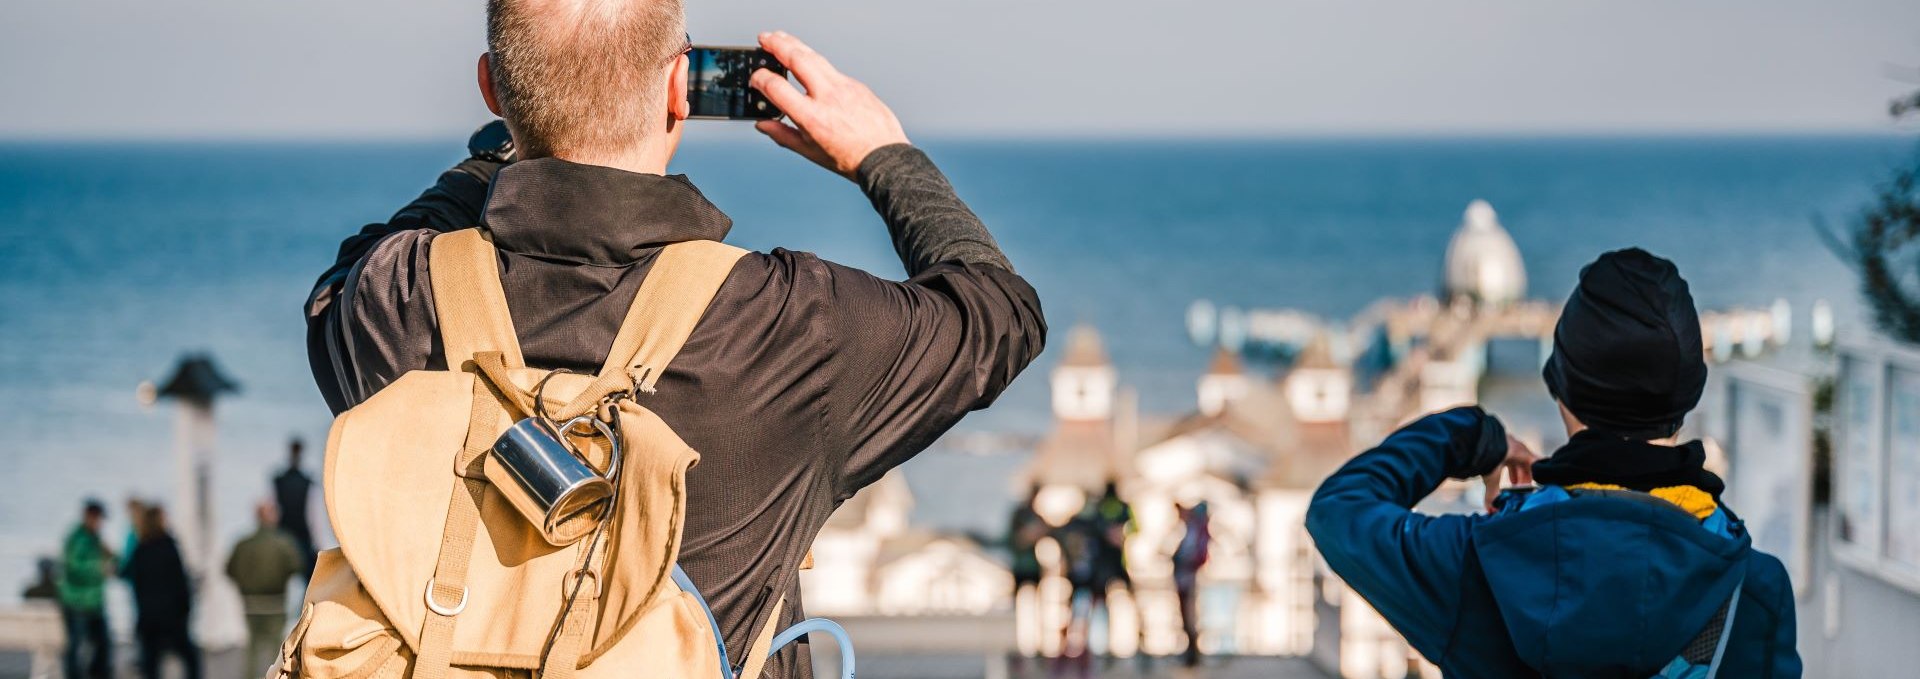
[(649, 157)]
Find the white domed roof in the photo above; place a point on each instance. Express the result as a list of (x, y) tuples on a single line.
[(1483, 264)]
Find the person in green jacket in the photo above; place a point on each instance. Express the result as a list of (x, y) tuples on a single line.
[(86, 565), (260, 566)]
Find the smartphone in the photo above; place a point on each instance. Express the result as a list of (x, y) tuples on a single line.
[(717, 83)]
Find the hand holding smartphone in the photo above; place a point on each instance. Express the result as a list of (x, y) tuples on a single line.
[(836, 122), (718, 83)]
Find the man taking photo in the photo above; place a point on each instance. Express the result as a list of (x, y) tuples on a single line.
[(804, 382), (1624, 562)]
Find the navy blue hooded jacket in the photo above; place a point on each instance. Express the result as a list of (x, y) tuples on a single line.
[(1590, 587)]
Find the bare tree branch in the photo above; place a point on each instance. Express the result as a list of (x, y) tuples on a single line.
[(1883, 245)]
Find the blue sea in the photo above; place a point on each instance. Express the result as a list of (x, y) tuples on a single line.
[(115, 258)]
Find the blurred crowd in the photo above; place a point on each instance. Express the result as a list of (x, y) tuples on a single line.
[(148, 560), (1093, 557)]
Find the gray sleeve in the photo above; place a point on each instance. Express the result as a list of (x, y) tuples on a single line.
[(913, 357), (929, 223)]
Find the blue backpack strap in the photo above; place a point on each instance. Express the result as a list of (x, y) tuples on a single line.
[(1514, 500), (1687, 665), (1695, 662), (1726, 630), (719, 642)]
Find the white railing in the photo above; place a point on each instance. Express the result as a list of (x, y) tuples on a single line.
[(1876, 465), (34, 627)]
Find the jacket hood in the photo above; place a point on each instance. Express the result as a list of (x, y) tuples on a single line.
[(1597, 586)]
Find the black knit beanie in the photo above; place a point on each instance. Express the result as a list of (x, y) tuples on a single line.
[(1627, 358)]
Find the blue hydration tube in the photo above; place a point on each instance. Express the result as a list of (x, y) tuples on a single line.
[(686, 585), (811, 625), (780, 640)]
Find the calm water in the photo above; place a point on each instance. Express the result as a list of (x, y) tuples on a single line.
[(114, 259)]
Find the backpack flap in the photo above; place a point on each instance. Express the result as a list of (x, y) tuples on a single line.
[(647, 521), (388, 487)]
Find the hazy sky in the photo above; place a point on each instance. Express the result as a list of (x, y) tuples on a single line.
[(404, 68)]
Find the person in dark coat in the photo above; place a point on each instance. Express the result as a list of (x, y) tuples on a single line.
[(1025, 528), (1115, 518), (1624, 562), (1080, 539), (162, 599), (290, 491)]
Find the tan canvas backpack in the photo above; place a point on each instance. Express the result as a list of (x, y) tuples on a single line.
[(438, 575)]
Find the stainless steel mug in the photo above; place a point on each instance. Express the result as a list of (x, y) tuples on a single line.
[(551, 485)]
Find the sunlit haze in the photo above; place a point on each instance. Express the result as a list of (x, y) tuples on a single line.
[(359, 68)]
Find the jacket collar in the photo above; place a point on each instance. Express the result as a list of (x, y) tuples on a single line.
[(595, 215), (1594, 457)]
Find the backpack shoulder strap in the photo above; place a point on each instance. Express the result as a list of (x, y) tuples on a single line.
[(1704, 653), (671, 300), (1726, 627), (468, 302), (762, 646)]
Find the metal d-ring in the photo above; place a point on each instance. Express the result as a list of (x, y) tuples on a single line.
[(435, 606), (581, 576), (540, 394), (613, 441)]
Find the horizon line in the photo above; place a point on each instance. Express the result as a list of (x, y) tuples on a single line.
[(1031, 135)]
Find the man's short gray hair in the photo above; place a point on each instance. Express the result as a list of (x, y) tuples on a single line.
[(582, 76)]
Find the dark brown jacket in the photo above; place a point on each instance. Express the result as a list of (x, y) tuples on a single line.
[(804, 382)]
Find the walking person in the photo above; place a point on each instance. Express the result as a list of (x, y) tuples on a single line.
[(291, 490), (803, 382), (1624, 562), (86, 564), (1196, 541), (1025, 528), (1079, 539), (260, 567), (1115, 518), (162, 599)]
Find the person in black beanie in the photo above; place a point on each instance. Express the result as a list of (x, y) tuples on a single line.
[(1627, 366), (1622, 562)]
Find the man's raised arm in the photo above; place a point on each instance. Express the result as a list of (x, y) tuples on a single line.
[(913, 357), (918, 355), (333, 347)]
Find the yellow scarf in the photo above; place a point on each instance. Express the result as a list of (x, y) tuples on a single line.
[(1695, 501)]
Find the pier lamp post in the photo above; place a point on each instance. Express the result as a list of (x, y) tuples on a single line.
[(195, 384)]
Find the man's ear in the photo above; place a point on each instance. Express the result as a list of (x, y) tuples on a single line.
[(678, 108), (486, 84)]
